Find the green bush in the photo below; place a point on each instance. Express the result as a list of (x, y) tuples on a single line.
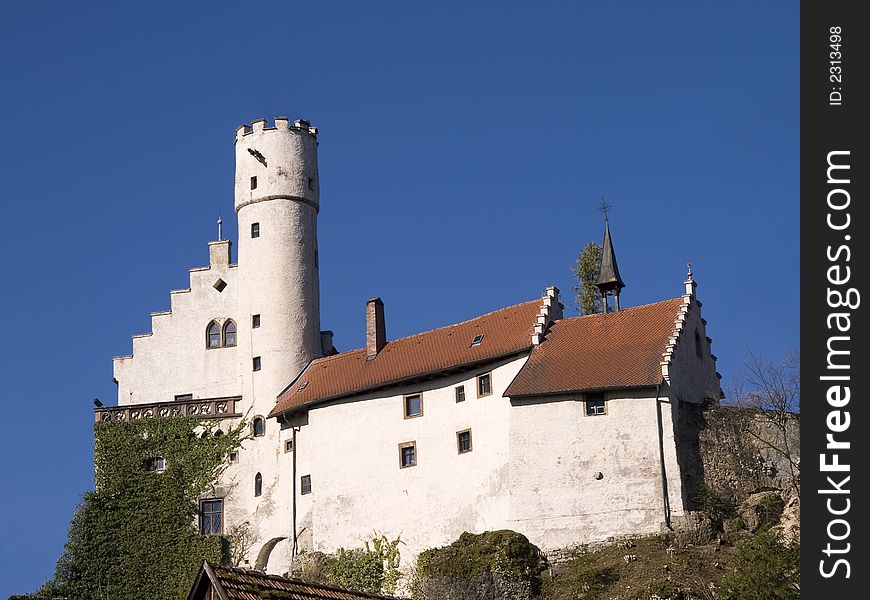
[(764, 569), (135, 536)]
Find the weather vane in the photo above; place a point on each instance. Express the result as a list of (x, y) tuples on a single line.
[(604, 207)]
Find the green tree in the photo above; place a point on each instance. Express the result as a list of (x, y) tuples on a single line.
[(586, 271), (135, 536)]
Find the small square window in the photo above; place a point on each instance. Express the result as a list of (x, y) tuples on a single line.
[(413, 406), (311, 183), (305, 485), (254, 183), (595, 405), (211, 516), (220, 285), (183, 397), (484, 385), (407, 454), (255, 321), (288, 445), (257, 363), (158, 463), (463, 441), (234, 457), (255, 230), (460, 393)]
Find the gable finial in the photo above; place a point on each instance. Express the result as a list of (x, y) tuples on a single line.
[(220, 223), (689, 264)]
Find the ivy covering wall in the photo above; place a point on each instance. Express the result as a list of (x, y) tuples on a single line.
[(136, 536)]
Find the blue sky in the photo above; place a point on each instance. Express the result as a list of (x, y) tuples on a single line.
[(463, 152)]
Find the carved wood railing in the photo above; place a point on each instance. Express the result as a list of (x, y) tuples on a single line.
[(201, 408)]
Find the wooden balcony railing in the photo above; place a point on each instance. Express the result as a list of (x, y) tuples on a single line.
[(201, 408)]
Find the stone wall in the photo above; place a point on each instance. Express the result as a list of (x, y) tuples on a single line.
[(741, 450)]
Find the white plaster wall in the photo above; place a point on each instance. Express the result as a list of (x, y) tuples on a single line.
[(173, 359), (692, 379), (555, 452), (351, 450)]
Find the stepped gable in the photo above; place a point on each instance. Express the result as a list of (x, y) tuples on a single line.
[(506, 332), (599, 352), (223, 583)]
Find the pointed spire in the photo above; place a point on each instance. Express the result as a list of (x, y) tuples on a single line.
[(609, 281)]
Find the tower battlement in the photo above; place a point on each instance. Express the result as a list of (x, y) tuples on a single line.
[(279, 124)]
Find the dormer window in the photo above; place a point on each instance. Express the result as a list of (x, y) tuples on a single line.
[(477, 339)]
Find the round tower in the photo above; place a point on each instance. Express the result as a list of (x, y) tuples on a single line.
[(277, 197)]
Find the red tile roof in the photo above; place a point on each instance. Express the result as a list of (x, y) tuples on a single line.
[(597, 352), (506, 332)]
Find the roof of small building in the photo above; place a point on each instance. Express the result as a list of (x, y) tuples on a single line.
[(241, 584), (602, 351), (505, 332)]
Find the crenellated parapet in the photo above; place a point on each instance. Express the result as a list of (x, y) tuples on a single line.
[(279, 124)]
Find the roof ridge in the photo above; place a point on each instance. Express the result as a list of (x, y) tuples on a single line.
[(295, 580), (621, 310)]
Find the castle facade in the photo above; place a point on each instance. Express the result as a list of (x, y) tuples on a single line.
[(564, 429)]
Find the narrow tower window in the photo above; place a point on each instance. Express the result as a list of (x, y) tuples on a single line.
[(699, 350), (257, 363), (213, 335), (460, 393), (259, 426), (230, 333), (305, 484), (258, 485), (255, 230), (255, 321), (311, 183), (254, 182)]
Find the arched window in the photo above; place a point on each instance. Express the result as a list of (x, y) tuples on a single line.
[(213, 335), (258, 485), (230, 333), (259, 426)]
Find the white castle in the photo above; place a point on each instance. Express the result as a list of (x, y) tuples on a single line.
[(567, 430)]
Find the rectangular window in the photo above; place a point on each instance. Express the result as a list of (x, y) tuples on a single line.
[(157, 463), (484, 385), (460, 393), (595, 405), (305, 485), (311, 183), (211, 516), (255, 321), (183, 397), (254, 183), (234, 457), (463, 441), (407, 454), (413, 406), (288, 445), (257, 363), (255, 230)]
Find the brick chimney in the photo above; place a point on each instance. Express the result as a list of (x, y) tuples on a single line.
[(376, 331)]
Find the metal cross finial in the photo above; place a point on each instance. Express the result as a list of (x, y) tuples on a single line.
[(690, 269), (604, 207), (220, 230)]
